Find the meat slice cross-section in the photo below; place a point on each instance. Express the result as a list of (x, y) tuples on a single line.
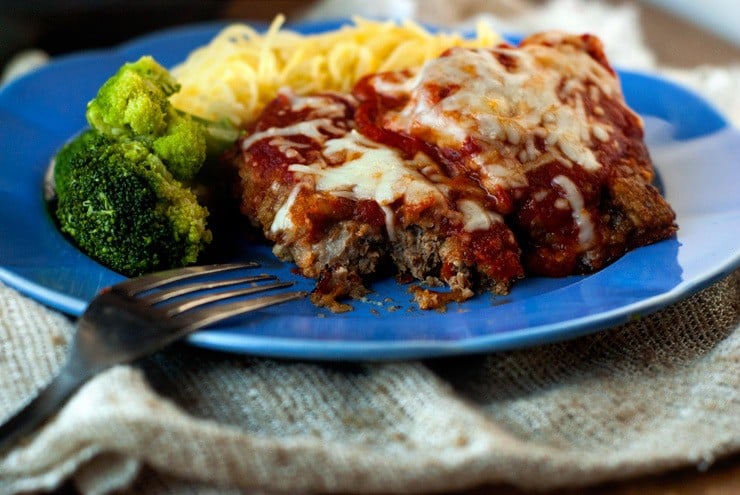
[(344, 207)]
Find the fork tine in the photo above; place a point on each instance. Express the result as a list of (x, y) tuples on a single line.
[(211, 315), (141, 284), (181, 290), (182, 306)]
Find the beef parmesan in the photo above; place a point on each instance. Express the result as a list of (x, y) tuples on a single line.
[(477, 168)]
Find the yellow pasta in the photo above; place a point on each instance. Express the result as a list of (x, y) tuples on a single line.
[(241, 70)]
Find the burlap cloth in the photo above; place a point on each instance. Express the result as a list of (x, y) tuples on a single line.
[(655, 394)]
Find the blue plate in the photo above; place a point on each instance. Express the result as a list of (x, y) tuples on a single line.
[(696, 161)]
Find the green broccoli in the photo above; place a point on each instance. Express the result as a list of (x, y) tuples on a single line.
[(123, 207), (134, 104), (123, 187)]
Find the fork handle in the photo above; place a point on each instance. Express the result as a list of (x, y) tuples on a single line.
[(49, 400)]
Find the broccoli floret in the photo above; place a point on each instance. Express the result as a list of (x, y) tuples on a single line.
[(74, 154), (182, 147), (123, 186), (121, 205), (134, 101), (134, 105)]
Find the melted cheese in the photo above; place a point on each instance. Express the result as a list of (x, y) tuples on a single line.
[(357, 168), (315, 129), (282, 220), (368, 171), (329, 107), (581, 216), (475, 217), (325, 110), (539, 94)]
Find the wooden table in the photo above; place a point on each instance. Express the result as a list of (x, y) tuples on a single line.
[(723, 478)]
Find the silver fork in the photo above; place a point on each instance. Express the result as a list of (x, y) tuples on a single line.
[(138, 317)]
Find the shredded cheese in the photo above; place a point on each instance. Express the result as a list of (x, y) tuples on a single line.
[(515, 105)]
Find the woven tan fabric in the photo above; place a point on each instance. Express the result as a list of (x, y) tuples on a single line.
[(651, 395)]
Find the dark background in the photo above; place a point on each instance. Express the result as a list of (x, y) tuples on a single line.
[(61, 26)]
